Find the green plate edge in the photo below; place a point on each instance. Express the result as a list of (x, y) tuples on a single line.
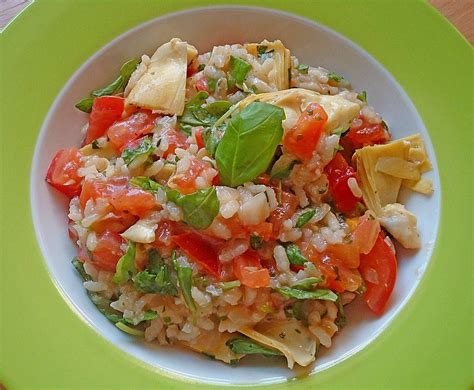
[(44, 345)]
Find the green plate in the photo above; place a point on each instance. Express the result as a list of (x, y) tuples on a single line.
[(44, 345)]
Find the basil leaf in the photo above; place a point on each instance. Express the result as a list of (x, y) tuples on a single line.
[(334, 77), (185, 275), (261, 49), (238, 72), (201, 67), (117, 86), (229, 285), (145, 183), (304, 218), (249, 143), (362, 96), (144, 149), (307, 283), (211, 138), (289, 292), (255, 241), (156, 278), (245, 345), (296, 311), (282, 167), (294, 255), (199, 208), (125, 267), (194, 104), (218, 108), (211, 84), (303, 68)]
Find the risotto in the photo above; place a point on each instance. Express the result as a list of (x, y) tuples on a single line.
[(233, 202)]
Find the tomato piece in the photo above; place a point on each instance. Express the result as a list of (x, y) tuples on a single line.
[(175, 139), (164, 234), (133, 200), (192, 69), (339, 172), (62, 172), (248, 269), (124, 132), (364, 133), (366, 233), (203, 251), (198, 137), (107, 252), (288, 206), (263, 178), (263, 230), (185, 181), (116, 221), (302, 139), (379, 270), (105, 111), (202, 84), (101, 188), (348, 253)]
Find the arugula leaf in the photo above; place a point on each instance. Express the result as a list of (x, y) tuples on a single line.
[(249, 143), (199, 208), (307, 283), (289, 292), (362, 96), (282, 167), (294, 255), (255, 241), (303, 68), (334, 77), (115, 87), (238, 72), (229, 285), (125, 267), (145, 183), (304, 218), (245, 345), (185, 277), (144, 149)]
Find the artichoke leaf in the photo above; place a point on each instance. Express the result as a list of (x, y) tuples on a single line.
[(401, 224)]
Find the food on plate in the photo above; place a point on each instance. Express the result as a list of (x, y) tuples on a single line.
[(233, 202)]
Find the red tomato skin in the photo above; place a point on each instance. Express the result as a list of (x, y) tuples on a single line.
[(289, 204), (107, 252), (338, 172), (116, 221), (367, 133), (303, 138), (62, 169), (185, 182), (176, 139), (198, 136), (105, 111), (382, 260), (127, 130), (251, 278), (133, 200), (101, 188), (202, 85), (201, 250)]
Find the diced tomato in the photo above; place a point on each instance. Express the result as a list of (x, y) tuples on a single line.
[(201, 250), (164, 233), (107, 252), (133, 200), (116, 221), (366, 133), (62, 172), (185, 181), (202, 85), (124, 132), (366, 233), (176, 139), (379, 270), (303, 138), (192, 69), (339, 172), (101, 188), (287, 208), (105, 111), (198, 136), (249, 270), (263, 230), (337, 276), (264, 179), (347, 253)]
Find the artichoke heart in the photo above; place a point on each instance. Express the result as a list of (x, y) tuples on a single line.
[(288, 336), (213, 343), (162, 87), (278, 77), (340, 111), (401, 224)]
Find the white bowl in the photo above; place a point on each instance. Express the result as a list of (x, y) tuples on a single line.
[(204, 28)]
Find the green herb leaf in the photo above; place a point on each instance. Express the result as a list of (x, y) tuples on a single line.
[(125, 267), (238, 72), (249, 143), (307, 283), (341, 320), (144, 149), (150, 315), (304, 218), (340, 130), (362, 96), (296, 311), (211, 138), (185, 277), (110, 89), (294, 255), (261, 49), (289, 292), (256, 241), (218, 108), (79, 266), (303, 68), (201, 67), (282, 167), (156, 278), (128, 329), (246, 346), (229, 285), (334, 77), (85, 104), (211, 84), (145, 183)]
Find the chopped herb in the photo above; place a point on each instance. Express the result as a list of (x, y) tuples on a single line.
[(145, 183), (208, 355), (185, 275), (304, 218), (95, 144), (266, 55), (261, 49), (338, 148), (307, 283), (282, 167), (229, 285), (340, 130), (289, 292), (245, 345), (238, 72), (303, 68), (145, 148), (166, 320), (362, 96), (211, 83), (334, 77), (256, 241), (125, 267), (201, 67), (129, 330), (294, 255)]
